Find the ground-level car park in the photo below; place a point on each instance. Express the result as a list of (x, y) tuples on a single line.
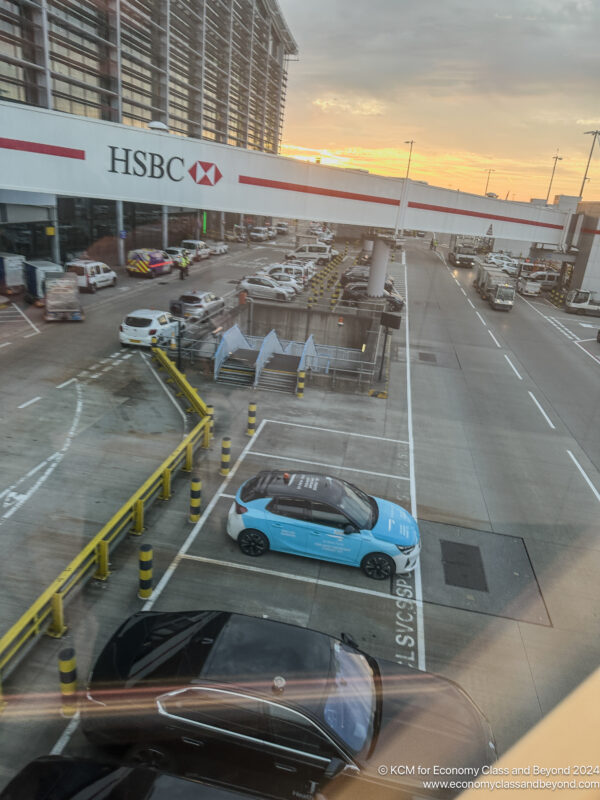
[(320, 253), (315, 515), (91, 275), (197, 304), (285, 709), (262, 286), (148, 325), (358, 293), (148, 263)]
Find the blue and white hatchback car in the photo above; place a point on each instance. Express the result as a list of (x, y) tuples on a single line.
[(315, 515)]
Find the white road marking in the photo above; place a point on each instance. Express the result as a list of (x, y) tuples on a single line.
[(29, 335), (334, 430), (587, 325), (586, 352), (5, 344), (169, 395), (293, 459), (65, 737), (292, 577), (463, 291), (95, 366), (115, 355), (413, 489), (541, 410), (481, 319), (93, 377), (494, 338), (127, 355), (230, 496), (470, 302), (512, 366), (30, 402), (107, 369), (26, 318), (66, 383), (83, 374), (198, 526), (585, 476), (104, 360)]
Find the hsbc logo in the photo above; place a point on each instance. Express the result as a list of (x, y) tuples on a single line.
[(145, 164), (205, 173)]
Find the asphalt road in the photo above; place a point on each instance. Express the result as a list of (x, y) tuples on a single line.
[(487, 435)]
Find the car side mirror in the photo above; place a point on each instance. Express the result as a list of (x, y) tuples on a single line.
[(335, 767), (350, 528)]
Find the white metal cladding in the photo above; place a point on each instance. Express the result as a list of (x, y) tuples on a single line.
[(48, 151)]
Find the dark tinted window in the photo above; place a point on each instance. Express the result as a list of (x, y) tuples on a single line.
[(295, 508), (190, 299), (76, 270), (290, 729), (322, 514), (138, 322), (225, 710), (251, 491)]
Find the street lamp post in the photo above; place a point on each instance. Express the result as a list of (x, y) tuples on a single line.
[(556, 158), (410, 142), (594, 134), (487, 183)]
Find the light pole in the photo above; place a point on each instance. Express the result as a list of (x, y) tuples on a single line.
[(556, 158), (594, 134), (410, 142), (487, 183)]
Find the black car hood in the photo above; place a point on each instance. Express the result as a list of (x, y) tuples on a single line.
[(426, 721)]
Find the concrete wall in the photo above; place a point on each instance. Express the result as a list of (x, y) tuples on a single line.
[(297, 324), (586, 274)]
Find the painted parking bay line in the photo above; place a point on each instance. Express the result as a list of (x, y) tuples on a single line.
[(329, 466), (289, 576), (334, 430), (30, 402)]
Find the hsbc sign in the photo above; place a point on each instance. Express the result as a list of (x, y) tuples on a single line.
[(147, 164)]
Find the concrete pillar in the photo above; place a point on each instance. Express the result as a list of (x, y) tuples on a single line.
[(56, 238), (379, 262), (221, 225), (120, 241), (165, 227)]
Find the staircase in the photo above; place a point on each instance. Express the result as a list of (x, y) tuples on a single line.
[(238, 368), (280, 374)]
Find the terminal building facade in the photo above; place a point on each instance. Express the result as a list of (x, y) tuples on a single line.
[(208, 69)]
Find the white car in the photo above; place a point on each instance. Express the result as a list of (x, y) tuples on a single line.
[(272, 232), (91, 275), (310, 267), (287, 280), (177, 253), (198, 249), (142, 326), (259, 234), (218, 248), (262, 286)]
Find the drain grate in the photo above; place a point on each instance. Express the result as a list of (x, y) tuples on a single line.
[(430, 357), (463, 566)]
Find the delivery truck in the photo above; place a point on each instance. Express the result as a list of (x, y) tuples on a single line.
[(11, 273), (62, 298), (35, 273)]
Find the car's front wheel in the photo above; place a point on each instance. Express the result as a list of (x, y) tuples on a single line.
[(378, 566), (253, 543)]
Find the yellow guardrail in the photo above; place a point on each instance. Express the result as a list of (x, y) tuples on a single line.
[(46, 615)]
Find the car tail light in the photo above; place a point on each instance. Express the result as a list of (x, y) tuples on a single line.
[(121, 328), (153, 331), (239, 509)]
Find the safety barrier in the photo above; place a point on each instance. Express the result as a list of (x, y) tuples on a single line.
[(46, 614)]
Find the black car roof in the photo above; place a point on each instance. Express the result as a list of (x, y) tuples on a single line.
[(312, 485)]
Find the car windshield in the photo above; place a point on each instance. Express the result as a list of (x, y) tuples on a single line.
[(357, 505), (351, 702), (138, 322), (505, 293)]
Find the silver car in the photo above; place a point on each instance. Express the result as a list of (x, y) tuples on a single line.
[(264, 287), (197, 305)]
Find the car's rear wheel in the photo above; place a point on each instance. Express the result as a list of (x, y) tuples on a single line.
[(151, 757), (378, 566), (253, 543)]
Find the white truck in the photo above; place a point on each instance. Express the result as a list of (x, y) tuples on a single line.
[(11, 273), (62, 298), (496, 287)]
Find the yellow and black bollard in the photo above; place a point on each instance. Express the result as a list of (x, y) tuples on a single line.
[(195, 499), (211, 424), (251, 430), (67, 670), (145, 589), (225, 455), (300, 384)]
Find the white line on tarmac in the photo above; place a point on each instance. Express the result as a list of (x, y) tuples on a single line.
[(30, 402), (29, 335), (586, 352), (26, 318), (65, 737), (481, 319), (5, 344), (469, 301), (413, 488), (291, 577), (230, 496), (494, 338), (107, 369), (333, 430), (585, 476), (93, 377), (168, 393), (198, 526), (294, 460), (541, 410), (463, 291), (66, 383), (512, 366)]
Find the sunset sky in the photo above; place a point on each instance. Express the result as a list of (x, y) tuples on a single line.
[(477, 84)]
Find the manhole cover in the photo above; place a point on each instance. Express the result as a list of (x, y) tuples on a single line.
[(463, 566), (428, 357)]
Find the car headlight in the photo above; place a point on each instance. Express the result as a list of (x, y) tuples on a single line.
[(406, 549)]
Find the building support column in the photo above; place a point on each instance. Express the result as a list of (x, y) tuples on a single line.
[(165, 227), (377, 273), (120, 228), (56, 238)]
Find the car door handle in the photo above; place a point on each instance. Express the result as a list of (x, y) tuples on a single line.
[(193, 742), (285, 767)]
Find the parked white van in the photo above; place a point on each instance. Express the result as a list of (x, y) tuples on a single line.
[(321, 253), (91, 275)]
